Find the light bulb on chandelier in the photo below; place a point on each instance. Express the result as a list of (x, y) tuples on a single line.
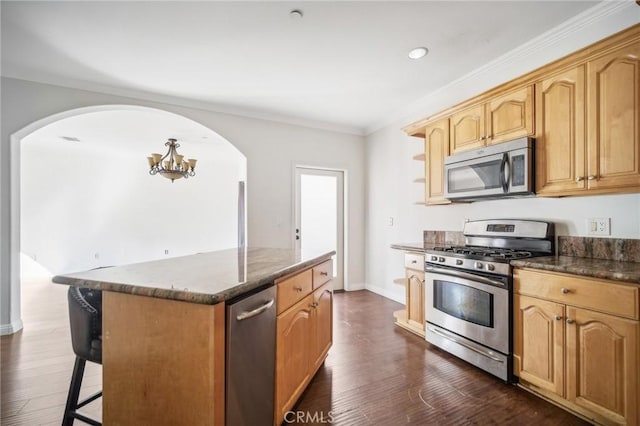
[(172, 165)]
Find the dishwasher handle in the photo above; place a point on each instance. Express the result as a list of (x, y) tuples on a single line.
[(255, 312)]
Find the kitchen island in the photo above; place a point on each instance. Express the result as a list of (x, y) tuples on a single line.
[(164, 329)]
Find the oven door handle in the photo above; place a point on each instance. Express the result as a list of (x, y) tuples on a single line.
[(465, 275), (462, 343)]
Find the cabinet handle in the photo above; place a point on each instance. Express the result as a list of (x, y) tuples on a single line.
[(579, 178), (314, 305), (414, 261), (324, 273), (558, 317), (570, 321), (591, 177), (297, 288), (565, 290)]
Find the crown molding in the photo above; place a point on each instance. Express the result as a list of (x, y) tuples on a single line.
[(604, 19), (138, 95)]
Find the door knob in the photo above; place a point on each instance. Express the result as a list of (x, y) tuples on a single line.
[(565, 290), (570, 321), (558, 317), (579, 178)]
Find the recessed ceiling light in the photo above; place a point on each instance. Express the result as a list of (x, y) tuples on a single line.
[(418, 52), (296, 14)]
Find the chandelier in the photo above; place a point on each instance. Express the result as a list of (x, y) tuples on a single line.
[(172, 165)]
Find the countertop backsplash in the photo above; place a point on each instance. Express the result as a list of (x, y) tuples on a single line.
[(442, 238), (619, 249)]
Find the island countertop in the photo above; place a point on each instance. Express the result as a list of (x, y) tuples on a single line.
[(204, 278)]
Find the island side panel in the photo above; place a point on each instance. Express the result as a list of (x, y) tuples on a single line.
[(163, 361)]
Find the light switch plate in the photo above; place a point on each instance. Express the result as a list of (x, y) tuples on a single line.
[(599, 226)]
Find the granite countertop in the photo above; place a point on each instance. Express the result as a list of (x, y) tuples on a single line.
[(588, 267), (417, 247), (204, 278)]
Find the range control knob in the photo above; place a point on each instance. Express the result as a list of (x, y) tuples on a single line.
[(490, 267), (479, 265), (459, 262), (441, 259), (434, 258)]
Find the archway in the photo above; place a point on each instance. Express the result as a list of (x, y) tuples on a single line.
[(196, 139)]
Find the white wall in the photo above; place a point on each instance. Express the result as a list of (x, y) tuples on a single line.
[(272, 150), (85, 205), (391, 193)]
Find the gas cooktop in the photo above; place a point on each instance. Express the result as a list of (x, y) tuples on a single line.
[(484, 253)]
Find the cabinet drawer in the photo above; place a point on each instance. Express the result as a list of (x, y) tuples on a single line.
[(414, 261), (293, 289), (593, 293), (322, 273)]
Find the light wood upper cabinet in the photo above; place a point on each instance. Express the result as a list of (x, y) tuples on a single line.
[(436, 149), (583, 110), (561, 142), (613, 105), (468, 129), (589, 127), (499, 119), (510, 116)]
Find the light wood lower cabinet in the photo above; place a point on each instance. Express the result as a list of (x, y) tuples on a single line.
[(568, 349), (304, 335), (412, 317)]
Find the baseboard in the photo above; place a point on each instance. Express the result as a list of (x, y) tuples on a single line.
[(6, 329), (386, 293), (356, 287)]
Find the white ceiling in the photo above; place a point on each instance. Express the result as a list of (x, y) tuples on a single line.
[(343, 65)]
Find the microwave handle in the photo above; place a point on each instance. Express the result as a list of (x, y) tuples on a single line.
[(505, 172)]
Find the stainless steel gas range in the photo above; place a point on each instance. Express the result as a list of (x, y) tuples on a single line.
[(469, 290)]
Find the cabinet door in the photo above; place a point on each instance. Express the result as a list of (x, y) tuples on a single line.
[(510, 116), (467, 129), (415, 298), (436, 148), (539, 342), (613, 108), (293, 354), (602, 364), (323, 324), (561, 142)]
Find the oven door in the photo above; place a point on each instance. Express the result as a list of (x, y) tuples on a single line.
[(473, 306)]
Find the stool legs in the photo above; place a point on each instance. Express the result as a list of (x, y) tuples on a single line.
[(70, 412)]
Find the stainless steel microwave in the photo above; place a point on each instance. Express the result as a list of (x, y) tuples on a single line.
[(496, 171)]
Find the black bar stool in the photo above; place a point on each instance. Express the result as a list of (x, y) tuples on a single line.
[(85, 318)]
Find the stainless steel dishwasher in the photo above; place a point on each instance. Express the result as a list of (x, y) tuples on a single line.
[(251, 350)]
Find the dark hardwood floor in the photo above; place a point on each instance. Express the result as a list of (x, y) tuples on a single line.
[(375, 374), (379, 374)]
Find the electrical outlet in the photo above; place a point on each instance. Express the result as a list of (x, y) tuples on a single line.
[(390, 221), (166, 252), (96, 256), (599, 226)]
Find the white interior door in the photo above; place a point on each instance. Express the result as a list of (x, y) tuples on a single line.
[(320, 216)]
